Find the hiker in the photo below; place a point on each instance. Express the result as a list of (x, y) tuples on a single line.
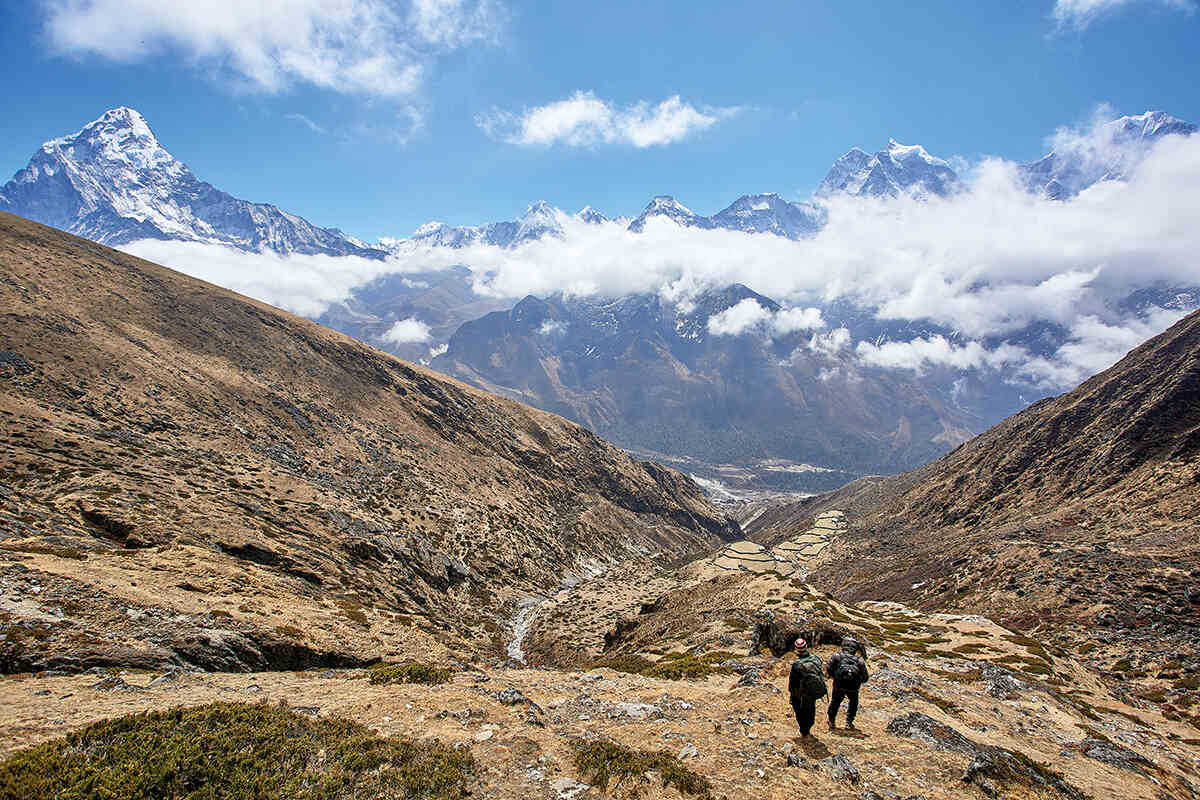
[(806, 685), (849, 672)]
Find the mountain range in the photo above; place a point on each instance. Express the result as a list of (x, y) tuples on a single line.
[(794, 410)]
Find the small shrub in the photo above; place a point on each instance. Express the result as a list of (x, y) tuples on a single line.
[(409, 673), (608, 764), (686, 668), (234, 750)]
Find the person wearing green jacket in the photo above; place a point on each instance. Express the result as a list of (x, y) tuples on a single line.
[(806, 685)]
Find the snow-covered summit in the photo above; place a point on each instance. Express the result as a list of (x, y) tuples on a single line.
[(1110, 152), (113, 182), (770, 213), (900, 169), (666, 206), (590, 215)]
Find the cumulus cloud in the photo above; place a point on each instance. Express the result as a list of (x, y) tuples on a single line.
[(1079, 14), (788, 320), (365, 47), (738, 318), (585, 120), (830, 344), (748, 314), (407, 331), (918, 354)]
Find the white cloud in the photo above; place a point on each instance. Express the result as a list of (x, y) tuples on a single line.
[(455, 23), (407, 331), (351, 46), (918, 354), (551, 327), (738, 318), (302, 284), (830, 344), (1081, 13), (749, 314), (585, 120), (1095, 346), (789, 320)]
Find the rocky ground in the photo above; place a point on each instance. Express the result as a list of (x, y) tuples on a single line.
[(949, 697)]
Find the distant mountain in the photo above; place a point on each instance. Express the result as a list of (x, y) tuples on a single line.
[(654, 378), (670, 208), (540, 219), (770, 213), (898, 170), (1121, 145), (113, 182)]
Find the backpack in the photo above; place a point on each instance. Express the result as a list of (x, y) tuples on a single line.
[(847, 672)]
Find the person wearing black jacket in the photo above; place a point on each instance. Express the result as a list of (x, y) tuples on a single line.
[(806, 685), (849, 672)]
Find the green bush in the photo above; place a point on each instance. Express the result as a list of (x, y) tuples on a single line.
[(233, 750), (605, 764), (409, 673)]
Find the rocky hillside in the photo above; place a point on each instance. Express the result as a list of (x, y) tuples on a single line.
[(1076, 518), (190, 476)]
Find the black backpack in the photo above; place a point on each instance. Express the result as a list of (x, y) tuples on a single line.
[(848, 672)]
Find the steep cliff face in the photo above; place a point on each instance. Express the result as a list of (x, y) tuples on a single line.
[(191, 475)]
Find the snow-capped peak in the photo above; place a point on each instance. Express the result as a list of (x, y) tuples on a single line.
[(666, 206), (1111, 151), (898, 170), (113, 182), (590, 215), (542, 211), (429, 227), (902, 152)]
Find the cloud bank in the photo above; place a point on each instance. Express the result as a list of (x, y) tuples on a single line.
[(986, 264), (364, 47), (585, 120)]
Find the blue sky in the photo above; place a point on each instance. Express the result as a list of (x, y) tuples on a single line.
[(385, 125)]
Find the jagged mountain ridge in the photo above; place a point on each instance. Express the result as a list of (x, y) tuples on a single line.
[(200, 478), (114, 183)]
